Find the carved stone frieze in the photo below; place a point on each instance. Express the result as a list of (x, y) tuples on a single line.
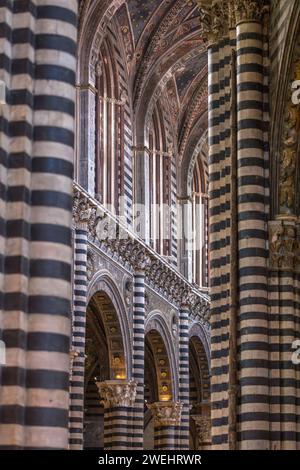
[(288, 157), (128, 251), (117, 393), (91, 264), (166, 413)]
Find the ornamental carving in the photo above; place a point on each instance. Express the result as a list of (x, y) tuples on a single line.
[(90, 264), (116, 242), (250, 10), (166, 413), (214, 16), (83, 211), (117, 393), (288, 157), (284, 246), (203, 427)]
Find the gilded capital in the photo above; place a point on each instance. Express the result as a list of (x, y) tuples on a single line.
[(166, 413), (117, 393)]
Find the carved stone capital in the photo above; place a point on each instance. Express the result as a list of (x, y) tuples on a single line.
[(214, 16), (203, 427), (83, 212), (139, 259), (166, 413), (249, 10), (284, 244), (117, 393)]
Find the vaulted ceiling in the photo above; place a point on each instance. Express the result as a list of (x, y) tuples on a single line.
[(166, 56)]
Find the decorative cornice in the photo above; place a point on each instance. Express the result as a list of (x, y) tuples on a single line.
[(121, 245), (117, 393), (166, 413)]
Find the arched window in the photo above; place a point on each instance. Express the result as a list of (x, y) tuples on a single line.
[(199, 224), (108, 116), (159, 184)]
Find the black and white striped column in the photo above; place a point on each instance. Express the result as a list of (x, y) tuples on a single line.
[(34, 392), (184, 386), (254, 415), (138, 365), (76, 415)]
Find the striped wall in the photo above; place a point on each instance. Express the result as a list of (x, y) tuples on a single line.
[(38, 66)]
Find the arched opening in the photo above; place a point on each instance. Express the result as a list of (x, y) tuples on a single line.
[(159, 182), (158, 380), (199, 393), (105, 360), (199, 224)]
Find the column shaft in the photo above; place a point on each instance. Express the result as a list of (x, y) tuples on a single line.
[(253, 314), (138, 356), (76, 415), (38, 232), (184, 386)]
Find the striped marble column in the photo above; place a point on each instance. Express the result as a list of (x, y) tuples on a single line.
[(118, 398), (253, 416), (166, 417), (138, 363), (284, 236), (76, 413), (183, 374), (37, 285)]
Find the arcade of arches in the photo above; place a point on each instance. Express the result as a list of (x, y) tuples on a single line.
[(149, 224)]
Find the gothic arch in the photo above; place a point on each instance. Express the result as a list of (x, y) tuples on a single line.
[(155, 323), (103, 283), (196, 330)]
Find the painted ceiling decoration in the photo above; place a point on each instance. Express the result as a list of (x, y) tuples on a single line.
[(166, 57)]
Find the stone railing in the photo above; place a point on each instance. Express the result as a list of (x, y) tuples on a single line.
[(121, 244)]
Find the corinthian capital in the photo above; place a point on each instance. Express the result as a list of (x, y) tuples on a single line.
[(117, 393), (214, 16), (166, 413), (249, 10)]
